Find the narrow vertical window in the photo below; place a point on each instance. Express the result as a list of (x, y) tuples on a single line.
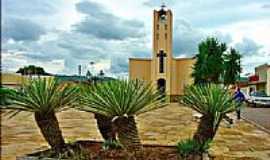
[(157, 36), (165, 35), (166, 26), (158, 27)]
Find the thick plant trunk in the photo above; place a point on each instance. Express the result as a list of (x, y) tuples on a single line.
[(50, 130), (128, 135), (105, 127), (206, 130)]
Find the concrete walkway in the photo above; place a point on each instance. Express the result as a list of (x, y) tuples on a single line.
[(258, 116), (165, 126)]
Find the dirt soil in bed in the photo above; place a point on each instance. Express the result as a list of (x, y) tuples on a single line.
[(93, 151)]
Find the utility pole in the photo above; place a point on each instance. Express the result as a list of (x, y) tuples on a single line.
[(79, 70), (92, 63)]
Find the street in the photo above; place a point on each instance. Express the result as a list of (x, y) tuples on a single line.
[(260, 116)]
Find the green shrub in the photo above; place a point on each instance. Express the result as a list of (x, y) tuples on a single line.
[(190, 146), (213, 101), (111, 144), (4, 92), (44, 98), (123, 100)]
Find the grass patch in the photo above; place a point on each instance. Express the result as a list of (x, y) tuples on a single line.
[(191, 147)]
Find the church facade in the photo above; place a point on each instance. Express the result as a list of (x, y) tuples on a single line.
[(169, 74)]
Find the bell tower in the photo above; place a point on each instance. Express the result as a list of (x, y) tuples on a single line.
[(162, 49), (169, 74)]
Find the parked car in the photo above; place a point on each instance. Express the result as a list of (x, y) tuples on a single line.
[(258, 99)]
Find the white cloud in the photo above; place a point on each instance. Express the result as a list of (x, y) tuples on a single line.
[(60, 49), (16, 60), (257, 30), (104, 65), (249, 62), (53, 66)]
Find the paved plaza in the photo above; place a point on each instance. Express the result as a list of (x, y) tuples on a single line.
[(166, 126)]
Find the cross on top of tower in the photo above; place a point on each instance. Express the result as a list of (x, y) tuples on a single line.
[(162, 10), (163, 5)]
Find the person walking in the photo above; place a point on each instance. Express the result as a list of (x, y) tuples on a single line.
[(240, 98)]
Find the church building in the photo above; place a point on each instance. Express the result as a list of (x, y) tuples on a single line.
[(169, 74)]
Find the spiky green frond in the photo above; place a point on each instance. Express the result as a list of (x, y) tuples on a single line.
[(42, 96), (121, 98), (191, 146), (209, 99)]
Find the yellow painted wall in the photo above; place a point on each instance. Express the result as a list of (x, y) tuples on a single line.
[(261, 87), (181, 75), (263, 72), (12, 79), (140, 69)]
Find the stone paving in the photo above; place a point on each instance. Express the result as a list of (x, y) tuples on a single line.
[(165, 126)]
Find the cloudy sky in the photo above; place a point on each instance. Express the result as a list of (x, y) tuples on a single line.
[(61, 34)]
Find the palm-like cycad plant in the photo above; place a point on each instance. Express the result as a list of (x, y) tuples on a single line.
[(44, 97), (104, 123), (213, 102), (122, 100)]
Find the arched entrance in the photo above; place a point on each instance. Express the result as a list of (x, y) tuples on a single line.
[(161, 83)]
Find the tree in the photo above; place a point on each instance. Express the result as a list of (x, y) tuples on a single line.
[(209, 65), (213, 102), (122, 100), (32, 70), (232, 67), (101, 73), (43, 98)]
